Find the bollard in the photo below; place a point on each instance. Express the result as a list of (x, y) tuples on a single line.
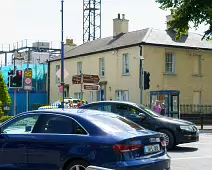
[(201, 118)]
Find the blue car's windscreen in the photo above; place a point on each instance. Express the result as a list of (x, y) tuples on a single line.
[(113, 124)]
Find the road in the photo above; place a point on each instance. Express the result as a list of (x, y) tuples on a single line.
[(193, 156)]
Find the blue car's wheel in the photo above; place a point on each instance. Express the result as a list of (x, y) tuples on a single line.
[(77, 165)]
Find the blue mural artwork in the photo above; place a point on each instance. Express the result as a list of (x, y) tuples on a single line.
[(38, 95)]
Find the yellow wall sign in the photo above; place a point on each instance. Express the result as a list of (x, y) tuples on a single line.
[(27, 74)]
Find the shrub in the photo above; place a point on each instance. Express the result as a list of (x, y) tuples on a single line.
[(5, 118), (4, 95)]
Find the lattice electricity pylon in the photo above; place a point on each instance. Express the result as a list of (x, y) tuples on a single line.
[(91, 20)]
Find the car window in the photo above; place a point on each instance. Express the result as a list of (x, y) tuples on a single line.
[(149, 111), (75, 101), (114, 123), (58, 124), (125, 110), (102, 107), (22, 125)]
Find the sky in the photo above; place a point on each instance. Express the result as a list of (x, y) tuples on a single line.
[(41, 19)]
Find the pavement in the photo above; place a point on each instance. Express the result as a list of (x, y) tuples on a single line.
[(193, 156)]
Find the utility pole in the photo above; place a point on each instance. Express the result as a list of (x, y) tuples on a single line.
[(62, 56)]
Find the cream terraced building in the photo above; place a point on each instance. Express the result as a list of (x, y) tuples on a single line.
[(183, 65)]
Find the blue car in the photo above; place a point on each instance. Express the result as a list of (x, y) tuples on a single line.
[(72, 139)]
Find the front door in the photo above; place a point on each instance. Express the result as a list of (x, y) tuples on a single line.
[(175, 109), (52, 141), (132, 113), (13, 142)]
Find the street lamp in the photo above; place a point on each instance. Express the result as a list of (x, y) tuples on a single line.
[(62, 56)]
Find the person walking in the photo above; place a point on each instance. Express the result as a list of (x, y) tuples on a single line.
[(163, 109), (157, 107)]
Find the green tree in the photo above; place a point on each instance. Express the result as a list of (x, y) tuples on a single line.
[(187, 13), (4, 95)]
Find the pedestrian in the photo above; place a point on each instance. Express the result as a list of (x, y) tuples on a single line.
[(157, 107), (79, 104), (163, 109), (71, 104)]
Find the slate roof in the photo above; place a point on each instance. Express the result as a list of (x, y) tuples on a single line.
[(148, 36)]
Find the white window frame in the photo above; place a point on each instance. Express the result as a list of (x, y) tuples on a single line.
[(125, 64), (79, 67), (200, 66), (57, 67), (77, 95), (172, 63), (91, 96), (101, 67), (122, 95)]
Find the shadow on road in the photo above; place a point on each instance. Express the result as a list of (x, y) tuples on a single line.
[(183, 149)]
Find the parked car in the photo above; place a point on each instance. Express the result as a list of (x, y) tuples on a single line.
[(57, 104), (176, 131), (69, 139)]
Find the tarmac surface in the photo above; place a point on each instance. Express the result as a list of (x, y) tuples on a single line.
[(193, 156)]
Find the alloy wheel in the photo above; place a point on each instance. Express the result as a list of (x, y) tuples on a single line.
[(77, 167), (167, 139)]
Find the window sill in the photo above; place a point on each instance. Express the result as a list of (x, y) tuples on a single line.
[(197, 75), (170, 73), (126, 74), (101, 76)]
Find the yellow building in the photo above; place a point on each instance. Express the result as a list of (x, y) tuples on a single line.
[(183, 65)]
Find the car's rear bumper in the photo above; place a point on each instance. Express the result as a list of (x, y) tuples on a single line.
[(187, 137), (159, 163)]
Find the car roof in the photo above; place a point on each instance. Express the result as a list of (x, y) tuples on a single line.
[(72, 112), (114, 101)]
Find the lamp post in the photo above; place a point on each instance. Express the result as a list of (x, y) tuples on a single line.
[(62, 56)]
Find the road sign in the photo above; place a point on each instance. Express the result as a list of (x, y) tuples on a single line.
[(61, 89), (92, 79), (76, 79), (91, 87), (58, 73), (28, 80)]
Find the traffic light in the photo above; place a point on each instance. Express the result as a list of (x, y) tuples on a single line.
[(146, 80), (18, 79), (15, 81), (10, 77)]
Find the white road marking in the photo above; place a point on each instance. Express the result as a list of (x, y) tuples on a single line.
[(200, 157)]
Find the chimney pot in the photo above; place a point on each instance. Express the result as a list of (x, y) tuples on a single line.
[(118, 16), (123, 16)]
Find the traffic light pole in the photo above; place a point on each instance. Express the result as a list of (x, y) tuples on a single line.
[(141, 80), (15, 107)]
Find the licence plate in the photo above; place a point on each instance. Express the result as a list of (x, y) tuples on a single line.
[(152, 148)]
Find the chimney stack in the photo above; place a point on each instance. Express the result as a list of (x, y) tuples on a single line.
[(120, 25), (168, 18)]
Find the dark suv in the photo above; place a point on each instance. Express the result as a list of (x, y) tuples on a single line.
[(176, 131)]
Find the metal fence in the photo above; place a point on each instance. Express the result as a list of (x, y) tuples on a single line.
[(195, 109)]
